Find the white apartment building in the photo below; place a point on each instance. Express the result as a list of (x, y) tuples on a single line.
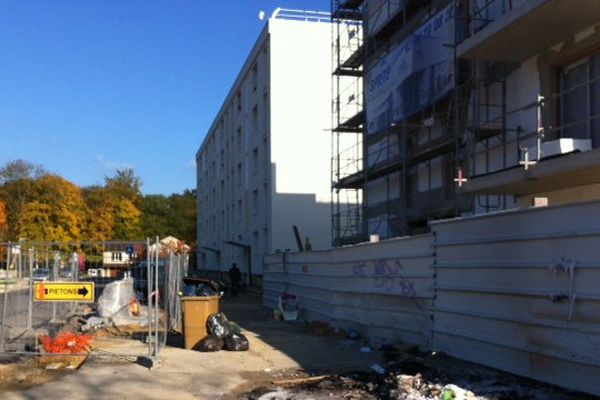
[(264, 165)]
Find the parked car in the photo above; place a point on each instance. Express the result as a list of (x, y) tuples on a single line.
[(65, 273), (41, 274)]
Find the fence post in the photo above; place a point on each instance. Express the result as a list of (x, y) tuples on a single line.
[(30, 301), (156, 294), (148, 292), (3, 328)]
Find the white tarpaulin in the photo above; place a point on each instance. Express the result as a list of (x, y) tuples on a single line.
[(413, 75)]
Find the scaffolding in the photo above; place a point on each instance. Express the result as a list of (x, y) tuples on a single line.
[(503, 131), (410, 168), (393, 166), (347, 121)]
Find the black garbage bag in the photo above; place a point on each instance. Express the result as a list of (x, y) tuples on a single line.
[(237, 342), (218, 326), (205, 290), (210, 343), (189, 290)]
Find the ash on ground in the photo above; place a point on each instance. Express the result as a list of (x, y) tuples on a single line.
[(411, 375)]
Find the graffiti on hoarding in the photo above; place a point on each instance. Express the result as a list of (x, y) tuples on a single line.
[(386, 276)]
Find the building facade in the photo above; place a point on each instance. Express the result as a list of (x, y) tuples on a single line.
[(263, 166), (469, 106)]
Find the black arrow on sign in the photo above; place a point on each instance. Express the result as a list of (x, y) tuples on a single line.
[(83, 291)]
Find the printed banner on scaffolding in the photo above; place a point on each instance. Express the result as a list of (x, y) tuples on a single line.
[(413, 75)]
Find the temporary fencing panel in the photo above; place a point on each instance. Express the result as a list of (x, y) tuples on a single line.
[(131, 285), (383, 290), (515, 290), (519, 291)]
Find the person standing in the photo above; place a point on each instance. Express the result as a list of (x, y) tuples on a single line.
[(235, 277)]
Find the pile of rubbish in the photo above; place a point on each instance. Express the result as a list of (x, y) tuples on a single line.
[(117, 306), (66, 343), (196, 286), (412, 375), (222, 334)]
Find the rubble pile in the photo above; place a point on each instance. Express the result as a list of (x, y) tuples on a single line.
[(411, 375)]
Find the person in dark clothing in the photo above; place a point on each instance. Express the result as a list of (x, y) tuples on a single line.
[(235, 277)]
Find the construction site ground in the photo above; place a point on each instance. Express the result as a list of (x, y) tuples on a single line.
[(286, 360)]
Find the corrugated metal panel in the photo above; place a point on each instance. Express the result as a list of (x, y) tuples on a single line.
[(384, 290), (519, 291)]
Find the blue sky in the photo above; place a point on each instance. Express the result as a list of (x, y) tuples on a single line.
[(90, 86)]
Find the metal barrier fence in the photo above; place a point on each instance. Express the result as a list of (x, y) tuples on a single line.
[(48, 288), (514, 290)]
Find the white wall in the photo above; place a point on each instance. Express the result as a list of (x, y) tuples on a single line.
[(300, 140), (253, 180)]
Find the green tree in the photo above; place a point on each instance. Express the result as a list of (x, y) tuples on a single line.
[(173, 215), (124, 185), (155, 216)]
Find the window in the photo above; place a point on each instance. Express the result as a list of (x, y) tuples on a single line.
[(254, 76), (239, 138), (580, 100), (255, 120), (255, 202), (255, 160), (266, 162), (116, 256)]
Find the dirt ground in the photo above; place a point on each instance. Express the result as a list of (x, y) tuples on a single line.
[(281, 355)]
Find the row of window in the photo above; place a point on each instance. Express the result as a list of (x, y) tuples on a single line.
[(237, 217)]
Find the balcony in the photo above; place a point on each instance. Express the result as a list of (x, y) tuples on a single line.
[(515, 30), (550, 174)]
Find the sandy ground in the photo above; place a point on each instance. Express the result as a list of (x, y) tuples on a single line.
[(278, 350)]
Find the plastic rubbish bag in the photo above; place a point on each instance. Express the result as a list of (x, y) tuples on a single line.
[(234, 328), (115, 299), (210, 343), (217, 325), (205, 290), (237, 342), (189, 290), (288, 305)]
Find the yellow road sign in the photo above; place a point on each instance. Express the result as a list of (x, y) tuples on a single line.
[(63, 291)]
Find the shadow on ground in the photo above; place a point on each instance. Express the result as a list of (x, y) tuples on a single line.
[(314, 348)]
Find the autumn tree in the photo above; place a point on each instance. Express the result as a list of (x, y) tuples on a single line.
[(3, 221), (127, 220), (100, 221), (63, 209), (34, 222), (18, 180)]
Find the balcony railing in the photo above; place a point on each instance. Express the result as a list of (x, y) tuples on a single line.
[(515, 30)]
